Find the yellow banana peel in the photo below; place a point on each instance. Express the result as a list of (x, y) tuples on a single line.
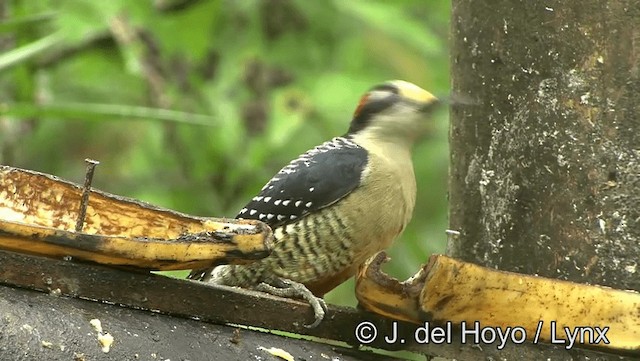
[(473, 298), (38, 215)]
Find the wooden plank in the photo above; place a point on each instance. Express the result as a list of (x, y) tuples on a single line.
[(39, 326), (225, 305), (208, 302)]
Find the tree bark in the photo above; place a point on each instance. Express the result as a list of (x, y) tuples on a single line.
[(545, 162)]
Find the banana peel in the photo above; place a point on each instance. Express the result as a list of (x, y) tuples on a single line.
[(378, 293), (39, 212), (547, 310)]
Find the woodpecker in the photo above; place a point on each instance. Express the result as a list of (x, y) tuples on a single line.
[(339, 203)]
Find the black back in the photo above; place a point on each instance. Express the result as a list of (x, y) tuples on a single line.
[(316, 179)]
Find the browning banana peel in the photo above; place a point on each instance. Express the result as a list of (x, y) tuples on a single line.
[(458, 291), (38, 213), (387, 296), (450, 290)]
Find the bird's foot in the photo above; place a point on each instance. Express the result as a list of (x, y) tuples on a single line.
[(287, 288)]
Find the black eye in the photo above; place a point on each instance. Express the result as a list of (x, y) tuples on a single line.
[(375, 101)]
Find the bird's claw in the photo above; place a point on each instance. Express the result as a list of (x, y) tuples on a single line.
[(291, 289)]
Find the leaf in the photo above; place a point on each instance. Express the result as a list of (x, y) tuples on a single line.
[(27, 52), (89, 111)]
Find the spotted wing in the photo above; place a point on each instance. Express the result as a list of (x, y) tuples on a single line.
[(316, 179)]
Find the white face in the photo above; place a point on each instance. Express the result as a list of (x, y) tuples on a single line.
[(395, 109), (402, 119)]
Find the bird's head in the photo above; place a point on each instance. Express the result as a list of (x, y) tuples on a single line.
[(394, 110)]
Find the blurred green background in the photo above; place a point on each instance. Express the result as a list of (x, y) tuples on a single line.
[(194, 104)]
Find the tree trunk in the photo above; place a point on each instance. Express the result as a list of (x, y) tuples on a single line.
[(545, 162)]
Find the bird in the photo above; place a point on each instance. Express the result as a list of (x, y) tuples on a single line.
[(338, 203)]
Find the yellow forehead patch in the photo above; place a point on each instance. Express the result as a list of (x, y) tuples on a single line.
[(413, 92)]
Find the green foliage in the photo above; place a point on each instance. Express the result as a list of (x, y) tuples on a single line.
[(193, 105)]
